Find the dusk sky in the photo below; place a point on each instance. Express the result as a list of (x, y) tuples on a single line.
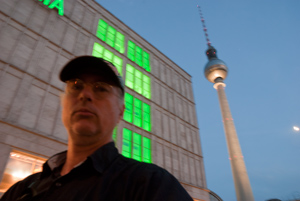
[(259, 42)]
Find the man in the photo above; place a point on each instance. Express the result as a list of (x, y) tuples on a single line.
[(92, 169)]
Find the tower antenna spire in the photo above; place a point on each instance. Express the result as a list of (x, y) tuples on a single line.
[(204, 27)]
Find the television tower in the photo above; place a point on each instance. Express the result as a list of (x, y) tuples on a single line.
[(216, 72)]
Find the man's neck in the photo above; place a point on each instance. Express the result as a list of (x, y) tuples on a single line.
[(76, 155)]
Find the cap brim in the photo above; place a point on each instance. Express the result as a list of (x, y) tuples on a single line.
[(88, 65)]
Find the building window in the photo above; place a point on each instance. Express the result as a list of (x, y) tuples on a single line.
[(128, 113), (146, 117), (19, 166), (146, 147), (137, 112), (100, 51), (138, 55), (111, 36), (138, 76), (146, 87), (138, 81), (131, 51), (114, 136), (136, 146)]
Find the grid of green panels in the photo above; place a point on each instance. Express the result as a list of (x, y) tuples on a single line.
[(146, 61), (137, 112), (111, 36), (138, 55), (137, 108), (138, 76), (129, 82), (126, 146), (138, 81), (119, 42), (131, 51), (101, 31), (146, 87), (128, 113), (100, 51), (108, 55), (147, 150), (136, 146), (146, 117)]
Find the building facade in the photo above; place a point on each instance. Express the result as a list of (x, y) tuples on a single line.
[(38, 37)]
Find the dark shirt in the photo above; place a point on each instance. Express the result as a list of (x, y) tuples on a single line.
[(106, 175)]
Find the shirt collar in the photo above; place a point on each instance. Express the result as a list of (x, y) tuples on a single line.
[(57, 160), (101, 158), (53, 162)]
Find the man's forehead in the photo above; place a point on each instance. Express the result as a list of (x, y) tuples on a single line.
[(90, 77)]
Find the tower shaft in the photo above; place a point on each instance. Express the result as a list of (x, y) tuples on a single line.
[(241, 180)]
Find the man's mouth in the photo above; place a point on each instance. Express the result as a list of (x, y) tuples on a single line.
[(84, 112)]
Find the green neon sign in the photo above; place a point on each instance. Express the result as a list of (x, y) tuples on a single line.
[(59, 4)]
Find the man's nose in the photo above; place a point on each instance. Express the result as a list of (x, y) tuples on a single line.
[(86, 93)]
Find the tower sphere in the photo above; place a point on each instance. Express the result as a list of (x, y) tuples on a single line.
[(214, 69)]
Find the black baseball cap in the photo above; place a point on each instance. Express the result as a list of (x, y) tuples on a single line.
[(94, 65)]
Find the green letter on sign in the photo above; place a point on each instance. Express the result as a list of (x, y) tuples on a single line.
[(46, 2), (59, 4)]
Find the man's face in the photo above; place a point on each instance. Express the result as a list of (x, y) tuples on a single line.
[(88, 117)]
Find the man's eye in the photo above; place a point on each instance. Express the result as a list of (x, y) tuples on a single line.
[(77, 86), (101, 88)]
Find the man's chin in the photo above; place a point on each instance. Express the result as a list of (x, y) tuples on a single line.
[(84, 130)]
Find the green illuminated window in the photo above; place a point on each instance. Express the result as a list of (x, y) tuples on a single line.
[(138, 55), (147, 150), (137, 119), (119, 43), (138, 75), (138, 81), (129, 82), (146, 117), (128, 113), (136, 146), (137, 112), (146, 87), (126, 146), (108, 55), (131, 51), (111, 36), (114, 136), (101, 32), (100, 51), (118, 63), (146, 61)]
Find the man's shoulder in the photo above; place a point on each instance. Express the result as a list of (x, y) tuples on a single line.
[(141, 168), (29, 180), (149, 180), (20, 187)]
